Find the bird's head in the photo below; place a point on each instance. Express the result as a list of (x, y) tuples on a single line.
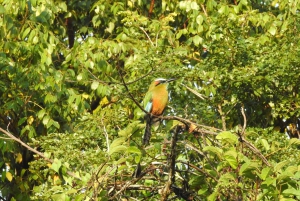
[(160, 81)]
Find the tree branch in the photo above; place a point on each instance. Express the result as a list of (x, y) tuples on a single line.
[(245, 120), (167, 189), (192, 126), (11, 136), (129, 183), (204, 10), (223, 117), (131, 96), (141, 28)]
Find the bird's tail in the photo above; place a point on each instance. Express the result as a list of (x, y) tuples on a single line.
[(147, 133), (137, 172)]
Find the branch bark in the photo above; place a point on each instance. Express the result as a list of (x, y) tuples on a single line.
[(11, 136), (167, 189)]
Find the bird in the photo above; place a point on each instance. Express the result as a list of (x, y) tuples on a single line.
[(155, 102), (205, 53)]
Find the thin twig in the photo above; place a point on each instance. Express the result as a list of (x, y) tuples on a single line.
[(103, 82), (198, 128), (11, 136), (147, 36), (198, 169), (204, 10), (34, 150), (255, 150), (131, 96), (195, 92), (245, 120), (5, 138), (129, 183), (105, 134), (223, 117), (142, 77), (36, 104)]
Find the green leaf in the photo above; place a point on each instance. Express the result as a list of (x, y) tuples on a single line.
[(265, 173), (117, 149), (58, 197), (248, 166), (117, 142), (110, 27), (130, 129), (194, 6), (291, 191), (25, 33), (278, 167), (228, 137), (46, 119), (294, 141), (203, 190), (2, 9), (231, 158), (269, 181), (199, 19), (41, 113), (56, 165), (197, 40), (35, 40), (94, 85), (291, 169), (133, 149), (265, 144), (272, 30), (214, 150)]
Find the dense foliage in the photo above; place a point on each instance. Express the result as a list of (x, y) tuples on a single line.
[(73, 72)]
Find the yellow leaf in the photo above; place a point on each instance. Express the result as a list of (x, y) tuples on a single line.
[(85, 96), (55, 178), (19, 158), (30, 120), (104, 101), (9, 176)]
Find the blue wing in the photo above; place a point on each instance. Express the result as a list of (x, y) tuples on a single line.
[(148, 107)]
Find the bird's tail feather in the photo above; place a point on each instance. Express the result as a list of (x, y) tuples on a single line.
[(147, 133), (137, 172)]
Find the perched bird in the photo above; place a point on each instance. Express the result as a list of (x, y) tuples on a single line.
[(155, 102), (204, 53)]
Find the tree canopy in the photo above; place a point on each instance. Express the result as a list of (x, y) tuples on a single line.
[(73, 75)]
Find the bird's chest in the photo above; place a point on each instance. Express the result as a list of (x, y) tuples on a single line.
[(159, 102)]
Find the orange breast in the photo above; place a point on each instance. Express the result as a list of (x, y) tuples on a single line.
[(159, 100)]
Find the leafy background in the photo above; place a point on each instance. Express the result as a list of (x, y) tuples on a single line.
[(68, 69)]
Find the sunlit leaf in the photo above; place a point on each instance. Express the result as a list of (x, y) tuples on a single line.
[(9, 176)]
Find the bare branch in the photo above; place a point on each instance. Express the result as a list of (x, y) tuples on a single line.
[(195, 92), (131, 96), (223, 116), (254, 150), (105, 134), (245, 120), (129, 183), (147, 36), (11, 136), (192, 126), (199, 170), (204, 10), (167, 189)]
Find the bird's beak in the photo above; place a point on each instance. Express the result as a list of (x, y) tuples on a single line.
[(171, 80)]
